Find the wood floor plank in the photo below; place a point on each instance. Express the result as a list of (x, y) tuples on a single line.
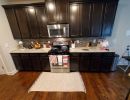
[(99, 86)]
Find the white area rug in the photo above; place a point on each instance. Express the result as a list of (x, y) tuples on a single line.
[(59, 82)]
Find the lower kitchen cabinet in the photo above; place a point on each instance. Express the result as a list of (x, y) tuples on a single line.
[(96, 62), (83, 62), (44, 61), (107, 61), (35, 60), (74, 62), (17, 61), (26, 63), (31, 62)]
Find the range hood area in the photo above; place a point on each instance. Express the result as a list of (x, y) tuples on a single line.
[(58, 30)]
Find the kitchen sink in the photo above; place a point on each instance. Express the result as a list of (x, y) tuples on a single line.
[(85, 49)]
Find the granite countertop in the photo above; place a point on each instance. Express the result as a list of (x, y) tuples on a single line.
[(87, 50), (42, 50), (72, 50)]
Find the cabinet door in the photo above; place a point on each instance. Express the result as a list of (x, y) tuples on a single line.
[(44, 61), (109, 16), (74, 62), (95, 63), (13, 23), (84, 62), (32, 21), (22, 22), (107, 60), (62, 10), (35, 60), (17, 61), (85, 19), (26, 62), (96, 19), (42, 21), (51, 11), (75, 20)]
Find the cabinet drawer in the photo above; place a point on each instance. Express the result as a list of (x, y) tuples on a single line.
[(74, 55)]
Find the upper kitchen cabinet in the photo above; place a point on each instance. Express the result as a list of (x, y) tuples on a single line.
[(86, 19), (32, 21), (62, 11), (10, 13), (27, 21), (96, 19), (109, 16), (75, 20), (42, 21), (51, 11), (57, 11), (21, 16)]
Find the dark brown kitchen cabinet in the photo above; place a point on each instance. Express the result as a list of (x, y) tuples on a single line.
[(85, 62), (26, 62), (96, 62), (10, 13), (32, 22), (74, 61), (31, 62), (17, 61), (86, 19), (35, 61), (27, 21), (57, 11), (42, 21), (96, 19), (75, 20), (62, 11), (21, 16), (107, 60), (109, 16), (44, 61), (51, 11)]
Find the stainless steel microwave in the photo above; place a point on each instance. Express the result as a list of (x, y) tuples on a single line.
[(58, 30)]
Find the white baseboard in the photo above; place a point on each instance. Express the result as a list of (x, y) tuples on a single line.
[(12, 72)]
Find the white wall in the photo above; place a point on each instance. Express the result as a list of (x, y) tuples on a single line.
[(7, 43), (119, 40)]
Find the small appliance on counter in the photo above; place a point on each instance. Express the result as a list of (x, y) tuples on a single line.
[(59, 58), (20, 45), (104, 45), (36, 45)]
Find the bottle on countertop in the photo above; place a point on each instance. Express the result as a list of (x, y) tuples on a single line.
[(72, 44), (48, 44)]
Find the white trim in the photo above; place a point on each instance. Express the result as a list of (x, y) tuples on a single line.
[(4, 66), (12, 72)]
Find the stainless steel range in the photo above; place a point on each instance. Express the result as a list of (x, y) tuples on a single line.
[(59, 59)]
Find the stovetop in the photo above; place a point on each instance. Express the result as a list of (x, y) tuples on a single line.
[(59, 49)]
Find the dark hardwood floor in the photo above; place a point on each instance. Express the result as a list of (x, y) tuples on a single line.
[(100, 86)]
